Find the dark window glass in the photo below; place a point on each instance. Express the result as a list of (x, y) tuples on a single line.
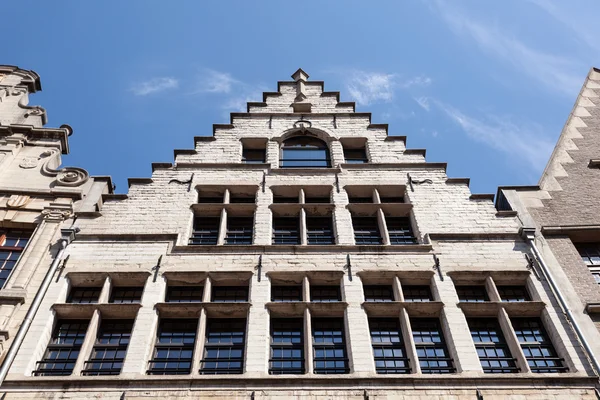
[(590, 253), (472, 294), (126, 294), (491, 346), (253, 156), (174, 348), (391, 199), (62, 351), (536, 345), (304, 152), (109, 351), (316, 199), (287, 346), (319, 230), (366, 230), (375, 293), (12, 244), (242, 198), (84, 295), (329, 346), (206, 230), (224, 346), (356, 156), (325, 294), (359, 199), (431, 347), (417, 293), (388, 346), (239, 230), (514, 293), (230, 294), (211, 197), (184, 294), (286, 230), (285, 199), (399, 230), (286, 293)]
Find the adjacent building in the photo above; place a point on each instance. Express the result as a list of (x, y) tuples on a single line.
[(300, 251)]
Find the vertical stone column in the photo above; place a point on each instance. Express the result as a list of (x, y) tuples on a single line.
[(358, 336), (257, 335)]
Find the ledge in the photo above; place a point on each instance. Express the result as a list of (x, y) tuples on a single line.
[(156, 166), (61, 134), (569, 229), (393, 308), (293, 209), (240, 165), (401, 138), (303, 171), (491, 308), (475, 236), (178, 152), (297, 308), (506, 213), (592, 308), (389, 209), (461, 181), (127, 237), (213, 310), (71, 194), (299, 249), (68, 310), (418, 152), (214, 209), (114, 196), (395, 166), (424, 274), (138, 181), (12, 296), (484, 196)]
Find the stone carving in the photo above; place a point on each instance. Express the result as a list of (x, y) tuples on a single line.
[(56, 214), (29, 162), (66, 176), (18, 201), (303, 125)]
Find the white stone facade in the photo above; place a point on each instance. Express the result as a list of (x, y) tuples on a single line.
[(142, 240)]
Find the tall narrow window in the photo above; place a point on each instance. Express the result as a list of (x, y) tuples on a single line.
[(109, 351), (513, 293), (239, 230), (230, 294), (417, 293), (472, 294), (304, 152), (184, 294), (64, 347), (388, 346), (12, 244), (206, 230), (287, 346), (399, 230), (379, 293), (84, 295), (491, 346), (286, 230), (537, 347), (431, 347), (174, 348), (224, 346), (366, 230), (319, 230), (329, 346)]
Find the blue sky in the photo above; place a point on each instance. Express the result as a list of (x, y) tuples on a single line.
[(483, 85)]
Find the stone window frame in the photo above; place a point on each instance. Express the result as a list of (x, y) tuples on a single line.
[(304, 210), (260, 144), (22, 250), (307, 309), (503, 310), (355, 143), (224, 210)]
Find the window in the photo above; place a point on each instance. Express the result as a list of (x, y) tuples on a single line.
[(286, 293), (329, 346), (244, 198), (316, 199), (208, 195), (325, 294), (206, 231), (184, 294), (253, 156), (84, 295), (513, 293), (536, 345), (174, 348), (239, 230), (62, 351), (319, 230), (229, 294), (126, 294), (388, 346), (472, 294), (491, 346), (360, 199), (285, 199), (390, 199), (431, 347), (286, 230), (12, 244), (399, 230), (356, 156), (590, 254), (224, 346), (417, 293), (304, 152), (287, 346), (109, 351), (379, 293), (366, 230)]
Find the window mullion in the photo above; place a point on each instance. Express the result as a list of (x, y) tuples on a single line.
[(398, 294), (492, 291), (512, 341), (383, 227), (303, 232), (199, 344), (105, 292), (88, 343), (409, 342), (308, 343), (222, 227)]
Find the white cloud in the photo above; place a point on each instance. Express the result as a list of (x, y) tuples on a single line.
[(211, 81), (371, 87), (423, 102), (522, 142), (155, 85), (554, 71)]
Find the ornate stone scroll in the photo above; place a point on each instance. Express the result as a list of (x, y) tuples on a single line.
[(66, 176)]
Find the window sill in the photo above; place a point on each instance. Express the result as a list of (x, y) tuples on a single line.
[(296, 308), (303, 171), (491, 308), (192, 310), (12, 296), (283, 248), (111, 310), (393, 308)]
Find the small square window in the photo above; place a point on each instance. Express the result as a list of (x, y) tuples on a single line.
[(514, 293), (379, 293), (472, 294), (286, 293), (84, 295), (184, 294), (254, 156), (325, 294), (206, 231), (319, 230), (286, 230), (229, 294), (417, 293), (126, 294), (356, 156)]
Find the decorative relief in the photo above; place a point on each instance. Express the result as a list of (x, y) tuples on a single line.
[(66, 176), (56, 214), (18, 201), (29, 162)]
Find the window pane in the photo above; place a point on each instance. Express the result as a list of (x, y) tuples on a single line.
[(109, 351), (366, 230), (537, 347), (84, 295), (239, 230), (472, 294), (206, 231), (12, 244), (431, 348), (63, 349), (329, 346), (325, 294), (491, 346), (286, 293), (184, 294), (378, 293), (174, 347), (319, 230), (287, 346), (388, 346), (224, 346), (286, 230), (400, 230)]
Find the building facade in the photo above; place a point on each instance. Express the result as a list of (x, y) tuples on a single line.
[(300, 251)]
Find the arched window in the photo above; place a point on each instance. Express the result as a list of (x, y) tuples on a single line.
[(304, 152)]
